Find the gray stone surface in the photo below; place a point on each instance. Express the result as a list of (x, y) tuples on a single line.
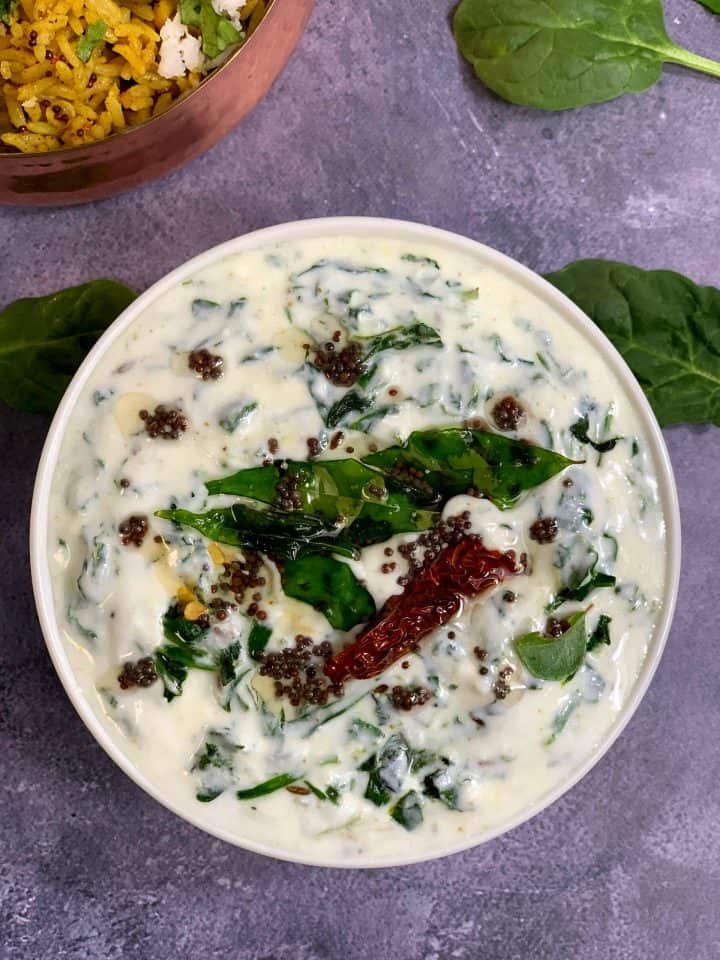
[(376, 115)]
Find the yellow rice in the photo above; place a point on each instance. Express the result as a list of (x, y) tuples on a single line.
[(50, 99)]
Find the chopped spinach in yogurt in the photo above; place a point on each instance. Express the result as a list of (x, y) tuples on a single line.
[(375, 552)]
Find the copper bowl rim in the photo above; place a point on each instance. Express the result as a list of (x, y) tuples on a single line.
[(177, 104)]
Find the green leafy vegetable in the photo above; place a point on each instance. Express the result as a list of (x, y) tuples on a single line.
[(555, 658), (214, 761), (331, 587), (593, 580), (360, 728), (218, 33), (92, 38), (351, 402), (580, 431), (7, 8), (713, 5), (277, 533), (408, 811), (235, 415), (180, 652), (426, 261), (401, 338), (342, 266), (226, 663), (558, 54), (44, 340), (666, 327), (454, 460), (387, 770), (332, 488), (561, 717), (268, 786), (601, 633), (439, 785), (258, 639), (329, 793), (323, 716)]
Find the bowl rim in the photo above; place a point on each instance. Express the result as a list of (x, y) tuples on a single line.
[(359, 227), (66, 151)]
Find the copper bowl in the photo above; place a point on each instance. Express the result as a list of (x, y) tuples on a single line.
[(188, 128)]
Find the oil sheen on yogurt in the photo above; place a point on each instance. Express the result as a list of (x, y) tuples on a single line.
[(258, 310)]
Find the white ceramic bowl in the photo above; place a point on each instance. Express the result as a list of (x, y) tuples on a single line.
[(361, 227)]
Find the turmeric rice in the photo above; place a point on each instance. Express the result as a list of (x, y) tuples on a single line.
[(76, 71)]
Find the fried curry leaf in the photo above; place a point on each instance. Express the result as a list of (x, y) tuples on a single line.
[(43, 340), (344, 488), (555, 658), (279, 534), (330, 587), (666, 327), (453, 460)]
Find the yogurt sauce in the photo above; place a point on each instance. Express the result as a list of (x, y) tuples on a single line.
[(257, 310)]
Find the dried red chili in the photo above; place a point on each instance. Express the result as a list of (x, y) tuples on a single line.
[(432, 598)]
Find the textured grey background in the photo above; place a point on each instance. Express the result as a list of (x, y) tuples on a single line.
[(376, 115)]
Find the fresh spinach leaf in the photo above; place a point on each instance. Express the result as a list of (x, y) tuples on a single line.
[(601, 633), (579, 430), (330, 587), (408, 811), (92, 38), (218, 33), (558, 54), (268, 786), (666, 327), (44, 340), (258, 639), (555, 658)]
